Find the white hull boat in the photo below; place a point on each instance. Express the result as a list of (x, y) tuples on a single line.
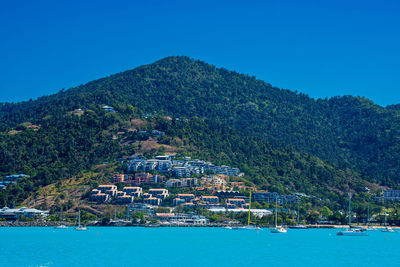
[(352, 232), (278, 230)]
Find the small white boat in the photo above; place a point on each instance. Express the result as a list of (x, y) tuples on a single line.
[(247, 227), (62, 226), (387, 229), (352, 232), (278, 229), (369, 228), (80, 227)]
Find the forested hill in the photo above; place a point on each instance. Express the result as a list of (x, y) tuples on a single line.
[(347, 132)]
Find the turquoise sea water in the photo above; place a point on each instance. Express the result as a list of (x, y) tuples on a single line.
[(136, 246)]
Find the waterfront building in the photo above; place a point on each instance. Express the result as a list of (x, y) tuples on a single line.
[(181, 218), (13, 214), (141, 207), (257, 212)]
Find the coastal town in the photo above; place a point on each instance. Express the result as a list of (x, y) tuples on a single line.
[(167, 191)]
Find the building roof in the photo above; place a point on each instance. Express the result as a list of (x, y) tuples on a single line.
[(209, 197), (165, 214), (235, 199), (186, 195), (106, 185), (157, 189)]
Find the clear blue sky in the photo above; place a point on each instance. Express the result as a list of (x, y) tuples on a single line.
[(322, 48)]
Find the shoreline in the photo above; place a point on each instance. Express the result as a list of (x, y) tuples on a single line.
[(53, 224)]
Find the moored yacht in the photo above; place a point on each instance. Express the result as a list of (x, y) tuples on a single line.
[(352, 231), (61, 226), (298, 225), (80, 227), (278, 229), (387, 228), (248, 226)]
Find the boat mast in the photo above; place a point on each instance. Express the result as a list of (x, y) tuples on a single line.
[(298, 212), (276, 211), (248, 219), (385, 217), (79, 218), (367, 215), (349, 209)]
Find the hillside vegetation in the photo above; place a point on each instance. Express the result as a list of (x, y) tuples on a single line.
[(283, 140)]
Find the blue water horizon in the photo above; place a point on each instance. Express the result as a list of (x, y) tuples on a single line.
[(186, 246)]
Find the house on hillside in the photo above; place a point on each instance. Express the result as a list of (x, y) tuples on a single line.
[(108, 108)]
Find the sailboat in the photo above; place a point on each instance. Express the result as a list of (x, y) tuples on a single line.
[(61, 226), (80, 227), (248, 226), (368, 227), (387, 228), (352, 231), (298, 225), (278, 229)]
